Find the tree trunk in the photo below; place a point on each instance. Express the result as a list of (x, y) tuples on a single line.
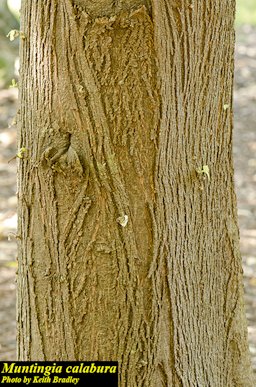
[(129, 245)]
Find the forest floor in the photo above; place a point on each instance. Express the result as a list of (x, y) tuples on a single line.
[(245, 178)]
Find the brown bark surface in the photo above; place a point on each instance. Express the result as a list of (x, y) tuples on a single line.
[(127, 250)]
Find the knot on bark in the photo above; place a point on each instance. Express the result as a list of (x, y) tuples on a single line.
[(63, 158)]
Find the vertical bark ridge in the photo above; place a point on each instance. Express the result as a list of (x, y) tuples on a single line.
[(193, 209), (129, 315)]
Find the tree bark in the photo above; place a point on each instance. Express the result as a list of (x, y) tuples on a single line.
[(129, 245)]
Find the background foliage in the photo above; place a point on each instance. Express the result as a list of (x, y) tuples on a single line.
[(246, 12)]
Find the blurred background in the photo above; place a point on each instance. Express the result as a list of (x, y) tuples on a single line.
[(244, 157)]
